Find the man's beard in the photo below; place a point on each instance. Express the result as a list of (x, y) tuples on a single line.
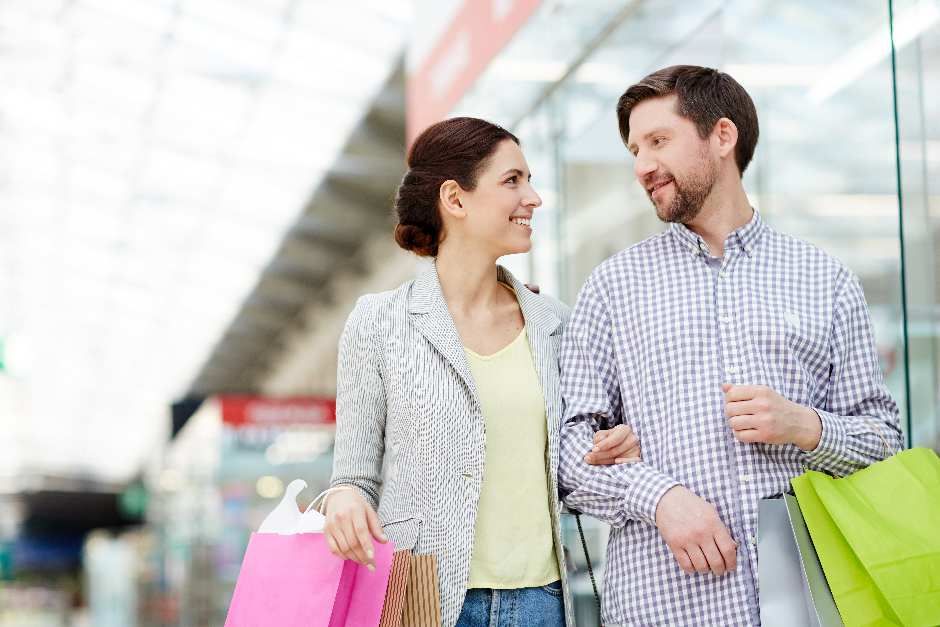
[(689, 194)]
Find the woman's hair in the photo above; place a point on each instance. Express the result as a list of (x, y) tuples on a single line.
[(456, 149)]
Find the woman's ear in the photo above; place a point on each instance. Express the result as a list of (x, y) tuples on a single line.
[(450, 193)]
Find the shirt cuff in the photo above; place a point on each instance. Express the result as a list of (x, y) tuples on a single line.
[(643, 494), (832, 441)]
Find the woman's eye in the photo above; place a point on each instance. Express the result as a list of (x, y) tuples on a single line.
[(512, 179)]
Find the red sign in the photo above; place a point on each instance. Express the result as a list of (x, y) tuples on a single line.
[(242, 411), (479, 31)]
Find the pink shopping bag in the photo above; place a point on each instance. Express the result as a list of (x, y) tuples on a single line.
[(289, 578)]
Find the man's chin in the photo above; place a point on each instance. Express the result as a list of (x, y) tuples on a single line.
[(665, 214)]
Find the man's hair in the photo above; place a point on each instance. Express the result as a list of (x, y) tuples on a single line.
[(704, 96)]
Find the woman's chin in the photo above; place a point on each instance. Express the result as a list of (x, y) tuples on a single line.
[(519, 248)]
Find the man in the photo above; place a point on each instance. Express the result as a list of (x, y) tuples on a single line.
[(739, 356)]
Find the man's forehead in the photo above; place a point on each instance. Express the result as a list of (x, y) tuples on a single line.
[(652, 113)]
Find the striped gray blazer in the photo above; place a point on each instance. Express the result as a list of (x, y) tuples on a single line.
[(409, 427)]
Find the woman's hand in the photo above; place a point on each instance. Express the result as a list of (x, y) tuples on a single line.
[(614, 446), (351, 523)]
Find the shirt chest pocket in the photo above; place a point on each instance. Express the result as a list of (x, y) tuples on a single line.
[(791, 349)]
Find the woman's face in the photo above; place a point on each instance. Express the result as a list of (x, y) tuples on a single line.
[(499, 211)]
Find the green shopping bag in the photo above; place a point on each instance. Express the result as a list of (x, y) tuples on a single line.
[(877, 535)]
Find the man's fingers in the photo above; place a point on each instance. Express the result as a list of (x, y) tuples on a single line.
[(685, 563), (715, 560), (698, 558), (742, 408), (375, 527), (740, 423), (742, 392), (728, 548), (749, 436)]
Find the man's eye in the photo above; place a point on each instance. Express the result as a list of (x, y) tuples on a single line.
[(512, 179), (658, 141)]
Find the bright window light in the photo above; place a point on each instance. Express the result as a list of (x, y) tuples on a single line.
[(152, 155)]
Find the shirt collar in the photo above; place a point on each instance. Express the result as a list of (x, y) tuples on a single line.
[(745, 237)]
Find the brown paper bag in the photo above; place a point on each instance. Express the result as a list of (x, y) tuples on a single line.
[(397, 587), (413, 596)]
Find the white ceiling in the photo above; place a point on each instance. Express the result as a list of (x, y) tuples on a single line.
[(152, 155)]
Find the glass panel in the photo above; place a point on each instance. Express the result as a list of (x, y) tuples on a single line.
[(917, 41)]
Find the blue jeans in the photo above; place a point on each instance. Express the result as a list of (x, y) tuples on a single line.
[(543, 606)]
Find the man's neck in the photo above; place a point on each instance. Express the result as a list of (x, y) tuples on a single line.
[(724, 212)]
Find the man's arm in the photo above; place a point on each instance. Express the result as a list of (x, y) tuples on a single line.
[(860, 423), (614, 494)]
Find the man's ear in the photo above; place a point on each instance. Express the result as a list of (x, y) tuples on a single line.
[(450, 193), (726, 133)]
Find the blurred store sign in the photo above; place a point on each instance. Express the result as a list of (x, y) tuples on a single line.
[(247, 411), (479, 30), (6, 560), (133, 500)]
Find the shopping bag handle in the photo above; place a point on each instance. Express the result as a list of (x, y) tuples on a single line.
[(322, 496)]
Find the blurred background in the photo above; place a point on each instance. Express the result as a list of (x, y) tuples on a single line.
[(193, 193)]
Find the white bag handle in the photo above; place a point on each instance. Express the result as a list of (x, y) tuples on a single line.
[(287, 519)]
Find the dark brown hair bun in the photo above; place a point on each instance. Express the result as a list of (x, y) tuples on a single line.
[(456, 149)]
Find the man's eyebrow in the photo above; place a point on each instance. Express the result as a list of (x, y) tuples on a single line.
[(647, 135)]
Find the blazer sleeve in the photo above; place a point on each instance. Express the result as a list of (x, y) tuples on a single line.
[(360, 405)]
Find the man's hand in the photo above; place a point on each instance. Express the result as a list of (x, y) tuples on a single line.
[(614, 446), (758, 414), (696, 536)]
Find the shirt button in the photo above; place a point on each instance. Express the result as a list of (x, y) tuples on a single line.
[(753, 540), (725, 319), (732, 369), (745, 478), (722, 274)]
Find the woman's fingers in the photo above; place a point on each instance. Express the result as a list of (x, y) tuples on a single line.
[(363, 549), (375, 526), (612, 438), (331, 543)]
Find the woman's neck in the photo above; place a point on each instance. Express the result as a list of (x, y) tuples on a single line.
[(468, 280)]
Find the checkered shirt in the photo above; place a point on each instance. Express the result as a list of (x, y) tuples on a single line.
[(654, 334)]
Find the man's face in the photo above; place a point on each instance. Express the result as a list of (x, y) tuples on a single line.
[(675, 166)]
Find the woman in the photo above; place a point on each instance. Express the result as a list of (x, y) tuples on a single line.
[(451, 381)]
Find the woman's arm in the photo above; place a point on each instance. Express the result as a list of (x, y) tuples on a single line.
[(351, 521), (360, 406)]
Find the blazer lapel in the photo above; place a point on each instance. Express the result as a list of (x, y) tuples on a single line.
[(428, 312), (542, 324)]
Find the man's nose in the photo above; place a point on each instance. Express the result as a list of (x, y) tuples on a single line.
[(643, 167)]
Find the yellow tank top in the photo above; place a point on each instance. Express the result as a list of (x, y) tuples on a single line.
[(513, 545)]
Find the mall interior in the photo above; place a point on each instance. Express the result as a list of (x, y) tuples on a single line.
[(194, 193)]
